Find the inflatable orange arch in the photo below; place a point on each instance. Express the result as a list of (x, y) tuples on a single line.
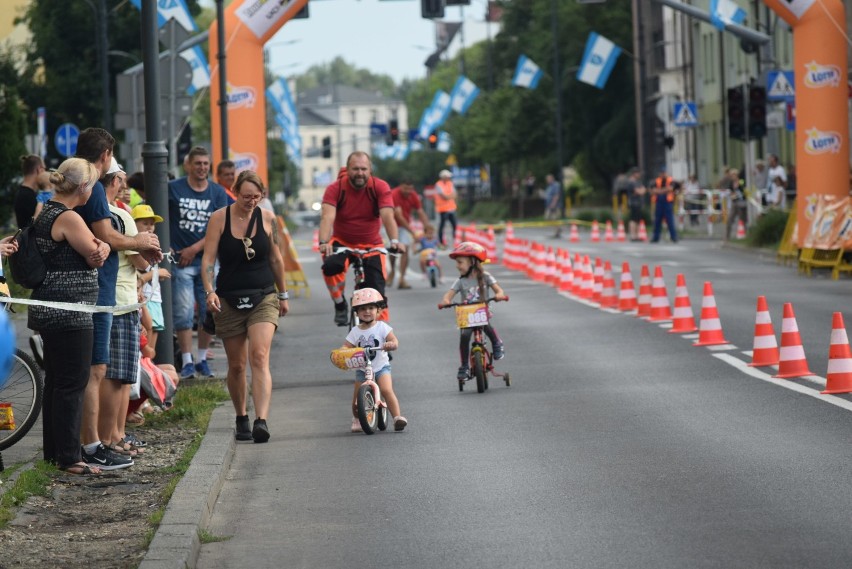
[(822, 129), (248, 26)]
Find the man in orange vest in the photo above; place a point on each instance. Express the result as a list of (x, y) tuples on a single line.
[(445, 204), (663, 193)]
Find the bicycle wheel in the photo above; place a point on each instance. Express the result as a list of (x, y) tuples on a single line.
[(368, 414), (24, 390), (433, 277), (479, 371), (383, 416)]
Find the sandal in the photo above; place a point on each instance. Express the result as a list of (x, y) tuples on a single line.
[(123, 449), (133, 444), (135, 418), (81, 469)]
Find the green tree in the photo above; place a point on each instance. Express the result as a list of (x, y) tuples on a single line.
[(13, 127)]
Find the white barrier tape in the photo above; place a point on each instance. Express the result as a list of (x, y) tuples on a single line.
[(72, 306)]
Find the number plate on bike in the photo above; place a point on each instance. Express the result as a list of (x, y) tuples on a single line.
[(7, 417), (471, 315), (349, 358)]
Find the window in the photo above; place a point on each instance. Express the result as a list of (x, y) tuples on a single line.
[(374, 115)]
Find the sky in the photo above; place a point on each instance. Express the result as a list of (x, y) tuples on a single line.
[(384, 36)]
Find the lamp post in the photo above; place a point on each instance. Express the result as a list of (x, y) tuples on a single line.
[(223, 81), (100, 14)]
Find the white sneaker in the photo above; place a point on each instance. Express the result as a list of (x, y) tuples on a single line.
[(356, 425), (399, 423)]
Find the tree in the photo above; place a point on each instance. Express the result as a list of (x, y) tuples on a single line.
[(13, 127)]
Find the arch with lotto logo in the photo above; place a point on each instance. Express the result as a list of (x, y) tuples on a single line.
[(249, 24), (822, 129)]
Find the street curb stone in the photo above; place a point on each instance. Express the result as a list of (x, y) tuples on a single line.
[(176, 543)]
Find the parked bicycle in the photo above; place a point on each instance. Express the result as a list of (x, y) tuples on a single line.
[(20, 399), (476, 316), (371, 408)]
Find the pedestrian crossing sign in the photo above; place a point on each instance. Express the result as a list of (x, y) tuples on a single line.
[(685, 114), (780, 86)]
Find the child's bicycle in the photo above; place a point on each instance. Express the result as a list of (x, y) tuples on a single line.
[(20, 400), (371, 407), (481, 359), (356, 258), (432, 268)]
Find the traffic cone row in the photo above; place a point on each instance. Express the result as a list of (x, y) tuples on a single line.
[(515, 254)]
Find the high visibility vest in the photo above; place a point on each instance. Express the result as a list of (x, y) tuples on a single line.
[(663, 182)]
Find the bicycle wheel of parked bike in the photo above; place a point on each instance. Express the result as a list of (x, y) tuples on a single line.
[(479, 371), (368, 413), (23, 392)]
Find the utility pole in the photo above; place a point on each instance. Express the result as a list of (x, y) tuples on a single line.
[(223, 81)]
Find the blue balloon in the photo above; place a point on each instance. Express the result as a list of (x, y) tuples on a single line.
[(7, 346)]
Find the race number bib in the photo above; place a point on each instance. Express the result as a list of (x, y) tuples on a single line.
[(349, 358), (471, 315)]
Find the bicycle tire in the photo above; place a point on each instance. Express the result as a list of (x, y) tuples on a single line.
[(383, 417), (479, 371), (433, 277), (368, 415), (24, 389)]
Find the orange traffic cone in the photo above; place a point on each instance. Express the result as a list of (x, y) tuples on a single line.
[(596, 232), (597, 287), (643, 233), (608, 299), (315, 245), (574, 235), (792, 362), (741, 232), (566, 273), (710, 327), (552, 271), (627, 293), (839, 376), (577, 288), (682, 320), (620, 236), (510, 230), (643, 308), (660, 309), (588, 279), (765, 350), (608, 236)]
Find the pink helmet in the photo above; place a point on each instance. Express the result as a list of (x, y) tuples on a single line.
[(364, 296), (469, 249)]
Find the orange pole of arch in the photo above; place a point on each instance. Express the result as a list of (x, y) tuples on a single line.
[(822, 128), (248, 26)]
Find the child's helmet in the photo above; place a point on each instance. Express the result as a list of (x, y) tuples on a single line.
[(469, 249), (364, 296)]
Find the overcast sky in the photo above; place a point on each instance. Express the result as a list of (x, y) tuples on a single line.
[(384, 36)]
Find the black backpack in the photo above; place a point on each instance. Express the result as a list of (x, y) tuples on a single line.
[(27, 265)]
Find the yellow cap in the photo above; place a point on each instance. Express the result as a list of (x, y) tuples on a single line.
[(144, 211)]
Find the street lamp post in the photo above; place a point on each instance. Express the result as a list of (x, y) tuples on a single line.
[(223, 82)]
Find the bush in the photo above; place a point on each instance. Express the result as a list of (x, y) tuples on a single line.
[(768, 230), (601, 215), (489, 211)]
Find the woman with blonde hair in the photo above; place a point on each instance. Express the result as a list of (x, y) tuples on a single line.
[(71, 254)]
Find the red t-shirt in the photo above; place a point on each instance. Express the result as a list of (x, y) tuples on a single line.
[(356, 222), (408, 203)]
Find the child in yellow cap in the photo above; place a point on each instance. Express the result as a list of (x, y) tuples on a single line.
[(146, 219)]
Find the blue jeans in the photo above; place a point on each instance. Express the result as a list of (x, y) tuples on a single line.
[(664, 211), (187, 291)]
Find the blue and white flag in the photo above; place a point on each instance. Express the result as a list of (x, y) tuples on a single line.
[(278, 93), (435, 115), (463, 95), (527, 73), (445, 142), (200, 70), (168, 9), (598, 60), (724, 12)]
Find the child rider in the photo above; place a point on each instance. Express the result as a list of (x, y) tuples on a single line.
[(373, 333), (473, 286)]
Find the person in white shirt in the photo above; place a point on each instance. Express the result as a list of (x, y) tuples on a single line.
[(777, 184)]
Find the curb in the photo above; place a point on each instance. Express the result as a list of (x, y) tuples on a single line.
[(176, 544)]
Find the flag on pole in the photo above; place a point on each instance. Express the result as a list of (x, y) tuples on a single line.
[(527, 73), (598, 60), (464, 93), (200, 70), (174, 9), (435, 115), (724, 12)]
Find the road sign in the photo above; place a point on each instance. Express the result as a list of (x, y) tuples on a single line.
[(780, 86), (685, 114), (65, 140)]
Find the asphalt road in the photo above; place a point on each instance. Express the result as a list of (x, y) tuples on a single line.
[(618, 444)]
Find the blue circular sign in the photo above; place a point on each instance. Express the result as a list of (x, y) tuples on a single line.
[(65, 140)]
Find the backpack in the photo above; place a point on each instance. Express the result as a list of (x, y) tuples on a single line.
[(27, 265), (371, 191)]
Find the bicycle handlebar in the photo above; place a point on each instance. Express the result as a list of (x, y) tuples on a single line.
[(452, 304), (363, 252)]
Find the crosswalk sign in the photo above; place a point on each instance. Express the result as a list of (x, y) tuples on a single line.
[(685, 114), (780, 86)]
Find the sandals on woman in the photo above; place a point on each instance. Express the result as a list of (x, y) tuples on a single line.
[(82, 469), (123, 448)]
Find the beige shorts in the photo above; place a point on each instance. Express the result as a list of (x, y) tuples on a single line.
[(232, 322)]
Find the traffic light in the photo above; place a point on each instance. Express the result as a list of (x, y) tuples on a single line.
[(432, 8), (393, 130), (433, 139), (326, 147), (756, 112), (736, 113)]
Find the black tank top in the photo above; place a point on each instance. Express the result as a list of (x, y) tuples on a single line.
[(236, 272)]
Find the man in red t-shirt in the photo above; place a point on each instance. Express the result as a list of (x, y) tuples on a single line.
[(405, 202), (354, 207)]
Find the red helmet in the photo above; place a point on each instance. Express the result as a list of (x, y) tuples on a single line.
[(364, 296), (469, 249)]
